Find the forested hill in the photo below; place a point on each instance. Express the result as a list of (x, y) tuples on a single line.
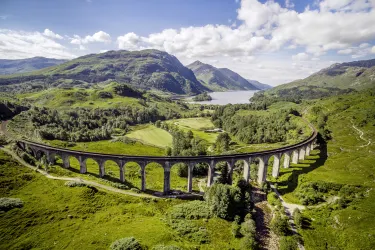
[(146, 69), (259, 85), (219, 79), (27, 65)]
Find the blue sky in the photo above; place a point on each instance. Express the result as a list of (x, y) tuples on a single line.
[(270, 41)]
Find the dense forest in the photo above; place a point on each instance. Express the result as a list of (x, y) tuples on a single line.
[(202, 97), (275, 127)]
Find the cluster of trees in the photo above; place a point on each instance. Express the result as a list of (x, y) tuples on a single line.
[(256, 129), (202, 97), (90, 124)]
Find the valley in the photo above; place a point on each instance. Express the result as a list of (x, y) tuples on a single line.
[(122, 158)]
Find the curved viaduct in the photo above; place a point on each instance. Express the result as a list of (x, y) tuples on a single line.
[(291, 153)]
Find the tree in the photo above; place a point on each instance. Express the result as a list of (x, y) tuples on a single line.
[(158, 123), (280, 225), (129, 243), (297, 216), (222, 142)]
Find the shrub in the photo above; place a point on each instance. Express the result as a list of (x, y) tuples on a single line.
[(190, 210), (129, 243), (163, 247), (273, 200), (7, 204), (189, 230), (105, 94), (248, 243), (297, 216), (248, 228), (280, 225), (288, 243), (75, 184), (236, 228)]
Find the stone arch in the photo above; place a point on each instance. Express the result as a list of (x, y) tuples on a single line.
[(240, 169), (222, 171), (302, 152), (179, 175), (134, 174), (74, 163), (155, 176), (111, 169), (93, 166)]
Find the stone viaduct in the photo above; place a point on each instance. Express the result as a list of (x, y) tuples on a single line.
[(292, 153)]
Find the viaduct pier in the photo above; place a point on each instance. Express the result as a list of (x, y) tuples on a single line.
[(292, 154)]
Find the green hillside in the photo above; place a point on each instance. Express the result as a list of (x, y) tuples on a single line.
[(219, 79), (147, 69), (27, 65)]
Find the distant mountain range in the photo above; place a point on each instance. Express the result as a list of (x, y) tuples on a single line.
[(259, 85), (146, 69), (220, 79), (8, 67), (356, 75)]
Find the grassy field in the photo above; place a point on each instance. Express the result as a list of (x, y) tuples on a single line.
[(149, 134), (55, 216), (197, 126), (346, 159)]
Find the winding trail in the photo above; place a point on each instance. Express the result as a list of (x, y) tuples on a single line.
[(361, 133), (289, 208), (91, 183)]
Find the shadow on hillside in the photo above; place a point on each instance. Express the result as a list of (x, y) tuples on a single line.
[(306, 166)]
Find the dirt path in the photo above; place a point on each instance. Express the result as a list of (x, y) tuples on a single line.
[(289, 208), (361, 133), (91, 183)]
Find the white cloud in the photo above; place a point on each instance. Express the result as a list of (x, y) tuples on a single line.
[(268, 27), (289, 4), (373, 50), (103, 50), (301, 57), (98, 37), (20, 44), (345, 51), (51, 34)]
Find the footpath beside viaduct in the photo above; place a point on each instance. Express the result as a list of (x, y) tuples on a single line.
[(291, 153)]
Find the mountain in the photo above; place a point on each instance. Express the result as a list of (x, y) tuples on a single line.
[(146, 69), (261, 86), (356, 75), (27, 65), (219, 79)]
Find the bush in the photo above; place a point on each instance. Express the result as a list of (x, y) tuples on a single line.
[(280, 225), (273, 200), (129, 243), (288, 243), (248, 243), (297, 216), (75, 184), (162, 247), (248, 228), (7, 204), (236, 228), (189, 230), (190, 210)]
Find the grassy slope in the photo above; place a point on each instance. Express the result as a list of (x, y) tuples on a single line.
[(96, 219), (197, 126), (149, 134), (348, 162)]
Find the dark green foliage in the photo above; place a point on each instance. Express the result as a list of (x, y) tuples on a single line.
[(248, 228), (222, 143), (185, 144), (7, 204), (297, 217), (248, 243), (202, 97), (104, 94), (280, 225), (129, 243), (253, 128), (288, 243), (88, 124), (226, 201), (189, 230), (190, 210), (126, 90), (8, 109), (236, 228)]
